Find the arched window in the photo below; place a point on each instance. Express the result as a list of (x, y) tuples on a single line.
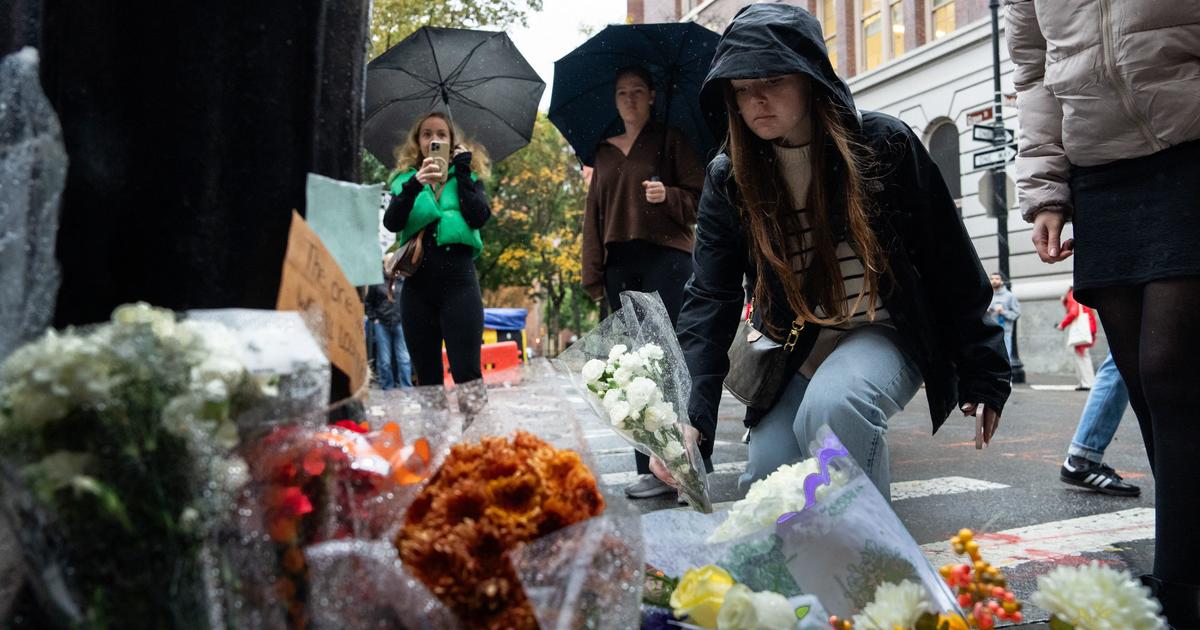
[(943, 147)]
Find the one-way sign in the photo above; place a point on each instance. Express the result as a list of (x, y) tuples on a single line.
[(992, 157), (990, 133)]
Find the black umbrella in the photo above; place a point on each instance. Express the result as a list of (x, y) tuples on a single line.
[(677, 55), (478, 77)]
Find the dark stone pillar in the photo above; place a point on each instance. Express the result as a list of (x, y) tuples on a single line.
[(190, 130)]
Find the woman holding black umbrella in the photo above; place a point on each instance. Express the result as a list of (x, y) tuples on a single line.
[(638, 222), (445, 209)]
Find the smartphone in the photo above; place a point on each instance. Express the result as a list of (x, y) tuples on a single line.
[(440, 151)]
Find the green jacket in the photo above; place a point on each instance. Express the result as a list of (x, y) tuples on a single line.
[(452, 228)]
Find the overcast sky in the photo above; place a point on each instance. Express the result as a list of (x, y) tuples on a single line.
[(556, 30)]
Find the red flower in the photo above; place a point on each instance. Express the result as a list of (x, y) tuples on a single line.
[(350, 425), (294, 503)]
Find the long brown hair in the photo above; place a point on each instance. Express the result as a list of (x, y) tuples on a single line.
[(408, 155), (766, 211)]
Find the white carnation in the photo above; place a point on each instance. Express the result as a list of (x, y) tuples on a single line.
[(618, 413), (651, 352), (617, 351), (593, 370), (640, 392), (673, 451), (611, 397), (623, 376), (1097, 597), (633, 361), (659, 415), (895, 606)]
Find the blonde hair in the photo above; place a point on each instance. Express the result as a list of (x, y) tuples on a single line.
[(761, 203), (408, 155)]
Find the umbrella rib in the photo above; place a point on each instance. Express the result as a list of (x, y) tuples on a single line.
[(401, 99), (476, 104), (462, 65)]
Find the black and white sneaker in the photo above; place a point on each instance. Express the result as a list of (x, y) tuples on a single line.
[(1097, 477)]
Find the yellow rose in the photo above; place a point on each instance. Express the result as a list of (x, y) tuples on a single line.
[(700, 594)]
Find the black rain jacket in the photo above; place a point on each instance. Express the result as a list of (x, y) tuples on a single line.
[(937, 295)]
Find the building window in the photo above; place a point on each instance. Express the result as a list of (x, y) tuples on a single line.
[(942, 18), (872, 34), (897, 29), (944, 149), (829, 27)]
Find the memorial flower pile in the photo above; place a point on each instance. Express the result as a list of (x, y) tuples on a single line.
[(485, 500), (628, 387)]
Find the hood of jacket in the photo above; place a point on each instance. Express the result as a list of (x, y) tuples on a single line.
[(769, 40)]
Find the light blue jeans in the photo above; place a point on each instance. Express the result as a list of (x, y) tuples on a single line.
[(392, 362), (865, 381), (1102, 414)]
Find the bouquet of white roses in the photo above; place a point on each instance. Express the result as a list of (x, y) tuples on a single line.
[(633, 371)]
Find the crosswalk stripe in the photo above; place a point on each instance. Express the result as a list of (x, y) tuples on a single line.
[(1053, 388), (1054, 540), (902, 490)]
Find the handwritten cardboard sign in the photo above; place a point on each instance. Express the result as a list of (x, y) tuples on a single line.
[(312, 280)]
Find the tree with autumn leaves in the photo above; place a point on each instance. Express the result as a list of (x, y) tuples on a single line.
[(535, 238), (393, 20)]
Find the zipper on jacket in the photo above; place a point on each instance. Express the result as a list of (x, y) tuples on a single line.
[(1110, 64)]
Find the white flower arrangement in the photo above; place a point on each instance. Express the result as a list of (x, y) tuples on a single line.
[(779, 493), (1096, 597), (628, 389), (895, 606)]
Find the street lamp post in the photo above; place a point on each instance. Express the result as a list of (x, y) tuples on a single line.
[(999, 186)]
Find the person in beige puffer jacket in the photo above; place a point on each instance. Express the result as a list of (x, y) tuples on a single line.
[(1108, 93)]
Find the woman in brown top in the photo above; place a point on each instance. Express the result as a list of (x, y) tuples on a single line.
[(639, 225)]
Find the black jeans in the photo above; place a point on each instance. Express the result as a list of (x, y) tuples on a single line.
[(646, 267), (442, 302)]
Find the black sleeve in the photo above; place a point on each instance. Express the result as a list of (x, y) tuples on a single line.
[(956, 285), (376, 297), (712, 302), (401, 206), (472, 199)]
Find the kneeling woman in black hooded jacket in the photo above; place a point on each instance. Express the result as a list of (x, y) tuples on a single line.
[(854, 249)]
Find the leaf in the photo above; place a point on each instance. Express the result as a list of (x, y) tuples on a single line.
[(110, 503)]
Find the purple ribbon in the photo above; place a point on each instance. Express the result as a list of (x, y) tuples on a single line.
[(831, 447)]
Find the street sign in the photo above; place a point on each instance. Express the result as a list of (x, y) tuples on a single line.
[(988, 133), (994, 156), (980, 115), (987, 194)]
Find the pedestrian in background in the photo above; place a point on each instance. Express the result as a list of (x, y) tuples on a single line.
[(392, 364), (1109, 139), (1084, 466), (860, 266), (1005, 309), (442, 300), (639, 218), (1080, 326)]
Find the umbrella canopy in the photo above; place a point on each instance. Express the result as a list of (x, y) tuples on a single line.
[(478, 77), (677, 55)]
